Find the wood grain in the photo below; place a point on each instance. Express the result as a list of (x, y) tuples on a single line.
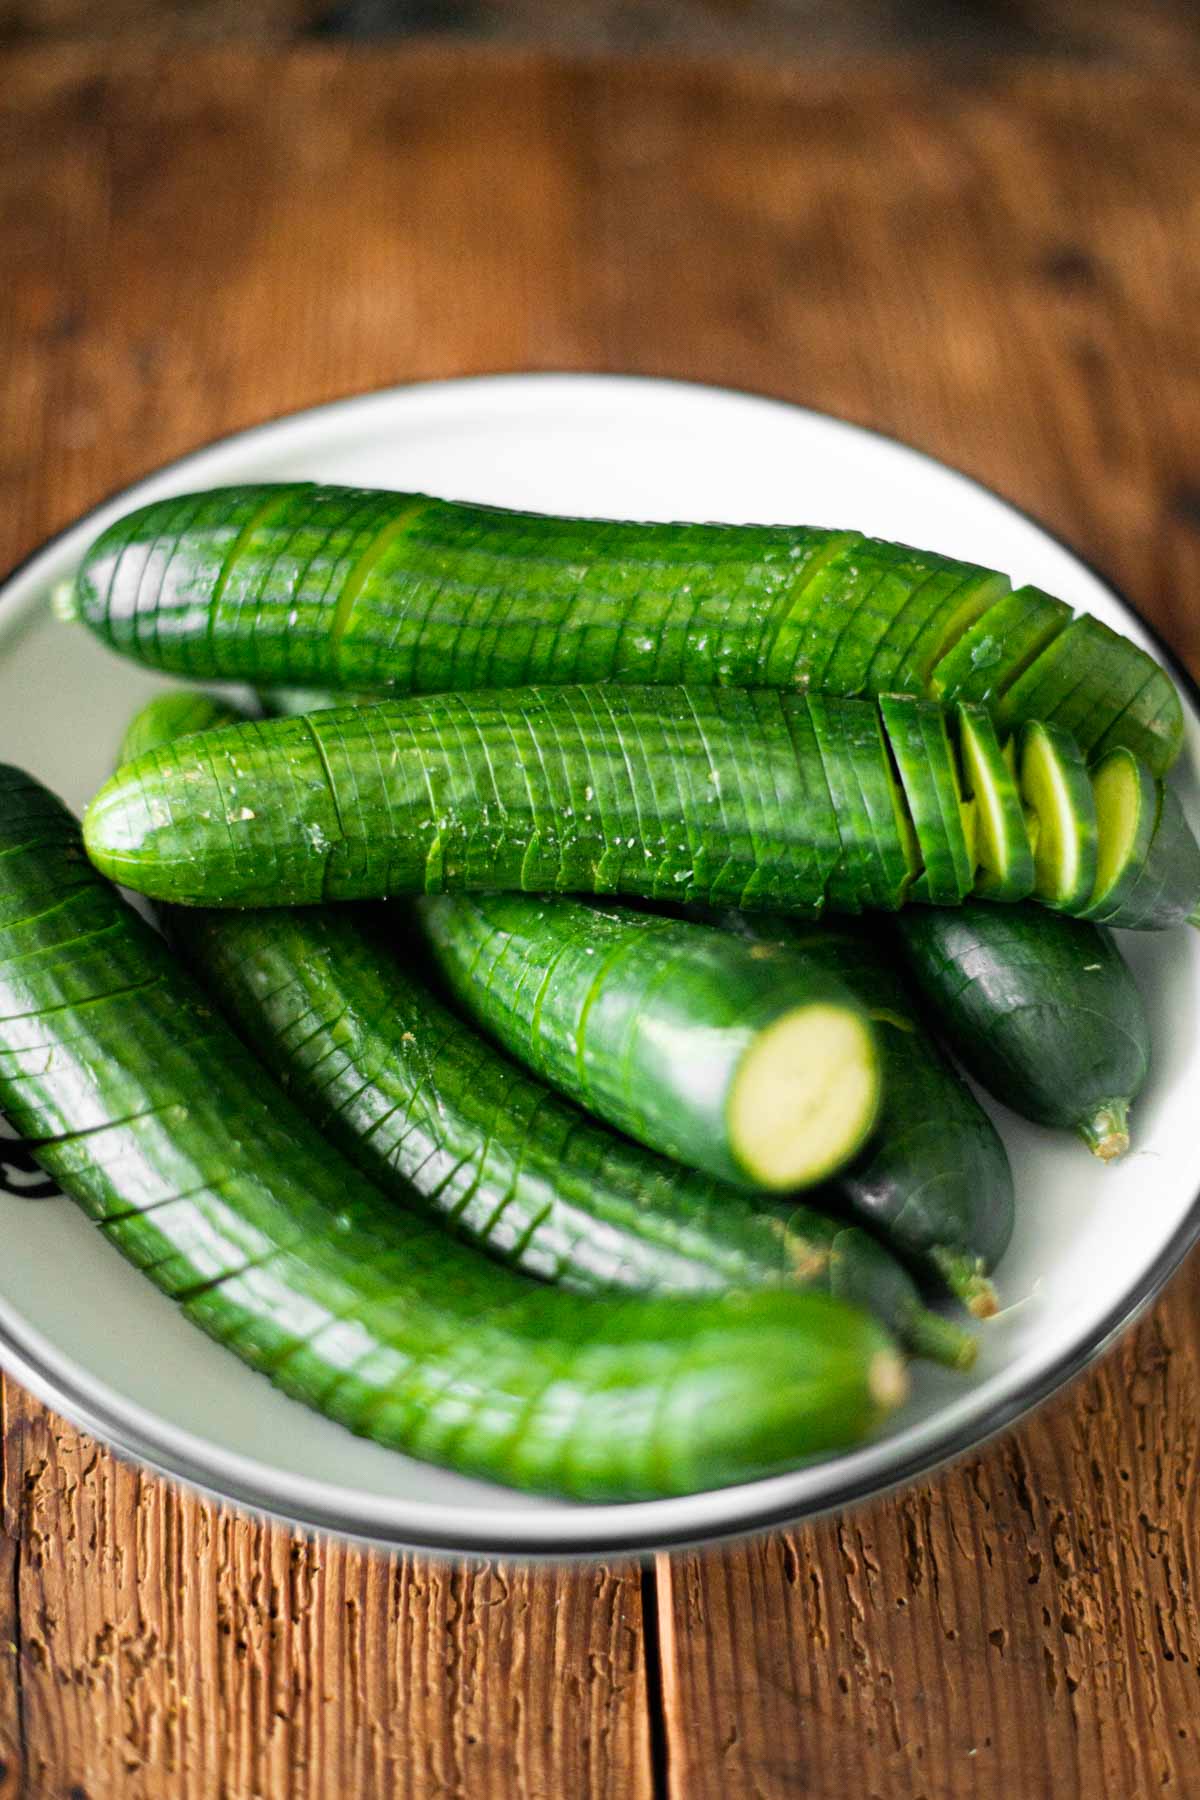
[(999, 266)]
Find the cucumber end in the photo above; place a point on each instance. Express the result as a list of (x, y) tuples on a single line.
[(927, 1334), (805, 1096), (965, 1278), (1106, 1133), (887, 1380), (64, 601)]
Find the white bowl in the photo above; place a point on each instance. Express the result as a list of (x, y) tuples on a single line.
[(1092, 1245)]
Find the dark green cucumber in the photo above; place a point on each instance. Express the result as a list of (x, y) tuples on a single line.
[(724, 1055), (151, 1113), (1164, 888), (694, 794), (935, 1180), (1042, 1010), (348, 588)]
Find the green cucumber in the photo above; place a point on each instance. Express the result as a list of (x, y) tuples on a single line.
[(1002, 849), (1166, 890), (432, 1112), (916, 732), (935, 1180), (1057, 788), (351, 589), (178, 713), (167, 1131), (720, 1054), (1042, 1010), (1127, 812), (705, 795)]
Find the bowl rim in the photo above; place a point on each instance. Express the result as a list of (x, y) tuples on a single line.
[(135, 1432)]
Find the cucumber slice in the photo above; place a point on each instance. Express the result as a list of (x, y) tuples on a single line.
[(804, 1097), (1003, 853), (1167, 889), (999, 646), (1102, 689), (916, 731), (964, 613), (1056, 785), (1127, 813)]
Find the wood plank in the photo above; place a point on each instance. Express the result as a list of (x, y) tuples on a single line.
[(1025, 1624), (173, 1649)]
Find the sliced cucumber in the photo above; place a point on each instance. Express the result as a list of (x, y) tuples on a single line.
[(973, 601), (916, 731), (1055, 784), (1127, 812), (1003, 853), (998, 647)]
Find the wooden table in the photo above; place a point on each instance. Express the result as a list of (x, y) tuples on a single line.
[(1000, 266)]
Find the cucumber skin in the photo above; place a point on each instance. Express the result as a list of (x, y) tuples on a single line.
[(399, 593), (151, 1113), (935, 1178), (642, 1019), (1040, 1008)]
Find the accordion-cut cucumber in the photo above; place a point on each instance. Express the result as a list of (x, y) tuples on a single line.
[(358, 590), (1041, 1009), (1003, 854), (704, 795), (167, 1131), (1166, 890), (1056, 786), (725, 1055), (934, 1180), (1085, 683)]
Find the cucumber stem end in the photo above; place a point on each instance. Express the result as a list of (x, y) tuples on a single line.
[(1106, 1133), (965, 1278), (927, 1334)]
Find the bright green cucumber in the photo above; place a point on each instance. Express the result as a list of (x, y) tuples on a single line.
[(724, 1055), (1041, 1009), (150, 1112), (917, 734), (433, 1112), (398, 593), (998, 647), (710, 795), (934, 1180), (1086, 683)]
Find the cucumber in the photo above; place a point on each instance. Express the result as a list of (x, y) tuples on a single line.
[(345, 588), (178, 713), (935, 1180), (1042, 1010), (709, 795), (1127, 812), (166, 1130), (1086, 684), (1166, 889), (720, 1054), (1055, 784), (1002, 849)]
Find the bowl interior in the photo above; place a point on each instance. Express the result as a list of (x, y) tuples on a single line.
[(94, 1338)]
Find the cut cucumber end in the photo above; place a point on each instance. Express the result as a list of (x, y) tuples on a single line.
[(805, 1096), (1106, 1133), (64, 601), (965, 1277), (887, 1380), (927, 1334)]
